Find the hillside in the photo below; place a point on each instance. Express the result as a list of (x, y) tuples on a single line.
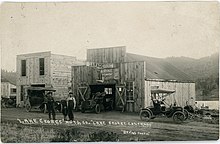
[(197, 68), (204, 71), (157, 68)]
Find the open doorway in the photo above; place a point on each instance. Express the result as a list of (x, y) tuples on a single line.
[(109, 98)]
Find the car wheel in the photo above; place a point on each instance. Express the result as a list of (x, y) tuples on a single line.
[(145, 115), (97, 109), (28, 107), (186, 114), (178, 117)]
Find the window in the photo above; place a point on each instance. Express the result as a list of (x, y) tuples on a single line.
[(41, 66), (108, 90), (23, 67), (13, 90), (130, 90)]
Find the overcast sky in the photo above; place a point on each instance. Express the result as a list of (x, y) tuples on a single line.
[(156, 29)]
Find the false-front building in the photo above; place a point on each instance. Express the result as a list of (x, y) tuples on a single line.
[(44, 69), (129, 79)]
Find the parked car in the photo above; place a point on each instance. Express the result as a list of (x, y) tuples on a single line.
[(36, 98), (159, 107)]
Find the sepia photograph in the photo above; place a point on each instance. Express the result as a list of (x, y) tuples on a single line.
[(109, 71)]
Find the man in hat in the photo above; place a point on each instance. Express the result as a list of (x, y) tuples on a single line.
[(50, 105), (71, 105)]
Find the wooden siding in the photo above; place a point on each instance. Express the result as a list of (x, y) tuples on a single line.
[(61, 73), (32, 71), (6, 89), (82, 76), (134, 72), (57, 72), (107, 55), (131, 71), (184, 92)]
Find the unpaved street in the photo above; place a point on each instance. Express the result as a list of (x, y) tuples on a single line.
[(158, 129)]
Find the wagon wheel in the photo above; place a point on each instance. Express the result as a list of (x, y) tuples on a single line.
[(186, 114), (28, 107), (97, 109), (178, 117), (145, 115)]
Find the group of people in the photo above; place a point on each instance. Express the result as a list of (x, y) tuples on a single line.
[(67, 105)]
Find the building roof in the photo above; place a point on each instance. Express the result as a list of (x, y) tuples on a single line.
[(3, 79), (158, 68)]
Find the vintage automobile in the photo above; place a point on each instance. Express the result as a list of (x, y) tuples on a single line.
[(36, 99), (98, 102), (159, 107)]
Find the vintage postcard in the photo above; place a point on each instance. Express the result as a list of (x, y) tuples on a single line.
[(109, 71)]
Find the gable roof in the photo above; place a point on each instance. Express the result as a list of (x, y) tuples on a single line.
[(158, 68)]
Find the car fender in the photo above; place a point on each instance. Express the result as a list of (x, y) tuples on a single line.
[(146, 109)]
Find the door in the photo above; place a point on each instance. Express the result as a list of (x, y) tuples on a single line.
[(130, 96), (82, 90), (120, 97)]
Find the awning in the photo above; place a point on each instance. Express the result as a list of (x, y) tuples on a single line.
[(41, 88), (167, 91)]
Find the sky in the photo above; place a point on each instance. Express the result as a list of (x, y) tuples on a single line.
[(155, 29)]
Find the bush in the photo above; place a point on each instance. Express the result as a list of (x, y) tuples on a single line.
[(69, 135), (103, 136), (74, 135), (17, 133)]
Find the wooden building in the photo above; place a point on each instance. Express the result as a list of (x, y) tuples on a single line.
[(8, 88), (44, 69), (128, 78)]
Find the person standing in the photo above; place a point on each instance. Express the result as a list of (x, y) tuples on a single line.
[(64, 109), (71, 105), (50, 105)]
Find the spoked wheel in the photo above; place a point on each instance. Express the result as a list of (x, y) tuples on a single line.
[(186, 114), (43, 108), (145, 115), (97, 109), (178, 117), (191, 116), (28, 107)]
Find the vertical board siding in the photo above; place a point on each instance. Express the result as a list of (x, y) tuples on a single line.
[(61, 73), (134, 71), (106, 55), (82, 76), (184, 92), (57, 72), (32, 71)]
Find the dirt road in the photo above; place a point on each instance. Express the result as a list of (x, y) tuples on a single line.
[(121, 123)]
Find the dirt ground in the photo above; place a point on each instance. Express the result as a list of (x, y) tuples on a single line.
[(157, 129)]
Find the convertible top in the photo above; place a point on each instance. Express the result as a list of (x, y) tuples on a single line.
[(41, 88), (167, 91)]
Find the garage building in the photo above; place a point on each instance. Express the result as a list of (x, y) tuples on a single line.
[(129, 78)]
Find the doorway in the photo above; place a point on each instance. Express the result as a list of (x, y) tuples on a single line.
[(109, 89)]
